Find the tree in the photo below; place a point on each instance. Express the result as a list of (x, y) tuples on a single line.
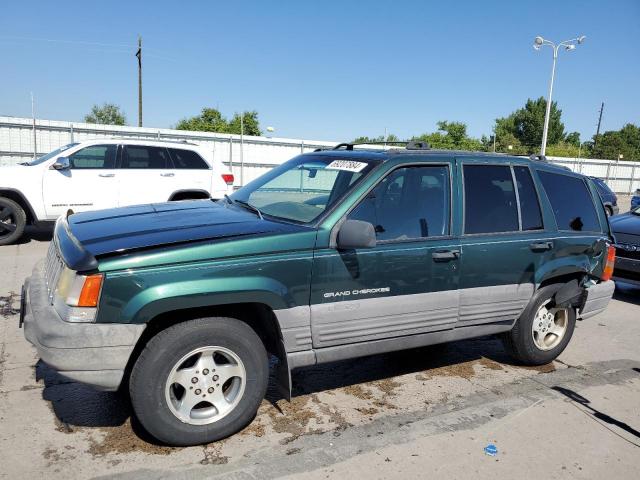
[(390, 138), (211, 120), (251, 125), (107, 114), (451, 136), (526, 125), (613, 143)]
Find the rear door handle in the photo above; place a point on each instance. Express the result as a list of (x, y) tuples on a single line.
[(445, 255), (167, 174), (107, 175), (541, 246)]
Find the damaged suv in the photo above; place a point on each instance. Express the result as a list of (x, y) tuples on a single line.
[(333, 255)]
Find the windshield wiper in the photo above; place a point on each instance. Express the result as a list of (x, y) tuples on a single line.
[(247, 205)]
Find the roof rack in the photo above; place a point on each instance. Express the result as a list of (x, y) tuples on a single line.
[(409, 145)]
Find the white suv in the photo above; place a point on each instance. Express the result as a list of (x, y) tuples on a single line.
[(107, 173)]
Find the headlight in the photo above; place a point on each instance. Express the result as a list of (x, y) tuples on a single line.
[(77, 296)]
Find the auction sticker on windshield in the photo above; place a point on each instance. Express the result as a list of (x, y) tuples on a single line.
[(348, 165)]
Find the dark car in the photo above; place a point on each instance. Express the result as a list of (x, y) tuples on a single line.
[(333, 255), (626, 230), (635, 200), (609, 199)]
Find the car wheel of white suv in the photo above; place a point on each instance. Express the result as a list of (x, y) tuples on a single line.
[(12, 221)]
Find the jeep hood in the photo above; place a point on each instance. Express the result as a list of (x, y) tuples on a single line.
[(119, 230)]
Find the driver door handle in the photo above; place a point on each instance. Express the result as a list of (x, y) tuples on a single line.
[(107, 175), (541, 246), (445, 255)]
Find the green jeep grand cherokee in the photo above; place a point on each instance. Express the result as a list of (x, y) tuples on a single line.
[(335, 254)]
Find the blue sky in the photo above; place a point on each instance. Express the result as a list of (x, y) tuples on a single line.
[(329, 70)]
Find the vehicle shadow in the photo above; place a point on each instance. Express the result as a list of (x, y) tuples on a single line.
[(627, 293), (456, 356), (78, 405), (38, 234), (577, 398)]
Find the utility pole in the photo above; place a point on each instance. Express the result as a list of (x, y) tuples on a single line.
[(33, 116), (595, 140), (242, 149), (139, 55)]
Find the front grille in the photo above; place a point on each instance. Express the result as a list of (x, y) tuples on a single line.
[(621, 252), (52, 270)]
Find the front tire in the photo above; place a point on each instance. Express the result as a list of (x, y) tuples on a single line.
[(543, 331), (12, 221), (199, 381)]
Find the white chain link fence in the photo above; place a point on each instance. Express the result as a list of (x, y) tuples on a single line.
[(249, 157)]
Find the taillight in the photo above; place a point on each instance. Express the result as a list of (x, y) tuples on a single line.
[(228, 178), (90, 291), (609, 264)]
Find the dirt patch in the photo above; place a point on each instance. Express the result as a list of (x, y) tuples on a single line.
[(293, 451), (255, 429), (123, 439), (547, 368), (6, 305), (292, 418), (212, 455), (52, 455), (358, 392), (387, 386), (368, 410), (464, 370)]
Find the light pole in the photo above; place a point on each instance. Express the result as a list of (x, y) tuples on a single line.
[(569, 45)]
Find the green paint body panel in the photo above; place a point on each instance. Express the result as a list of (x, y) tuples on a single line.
[(299, 268)]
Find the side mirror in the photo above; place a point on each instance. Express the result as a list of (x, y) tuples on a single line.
[(356, 234), (62, 163)]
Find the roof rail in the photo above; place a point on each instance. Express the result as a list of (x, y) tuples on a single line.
[(410, 144)]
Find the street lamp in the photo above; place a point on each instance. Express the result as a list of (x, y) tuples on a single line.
[(568, 45)]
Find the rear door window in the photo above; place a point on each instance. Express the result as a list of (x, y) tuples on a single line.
[(187, 159), (529, 205), (571, 202), (489, 200), (137, 156)]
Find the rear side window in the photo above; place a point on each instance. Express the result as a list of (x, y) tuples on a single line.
[(529, 206), (135, 156), (187, 159), (489, 199), (571, 202)]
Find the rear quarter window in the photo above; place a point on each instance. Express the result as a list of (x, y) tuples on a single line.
[(187, 159), (571, 202)]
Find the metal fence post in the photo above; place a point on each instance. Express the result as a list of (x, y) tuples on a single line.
[(231, 153), (302, 146), (608, 169), (71, 133), (633, 177)]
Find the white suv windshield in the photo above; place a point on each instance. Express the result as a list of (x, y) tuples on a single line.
[(49, 155), (304, 187)]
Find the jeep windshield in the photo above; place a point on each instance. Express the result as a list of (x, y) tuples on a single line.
[(303, 188), (49, 155)]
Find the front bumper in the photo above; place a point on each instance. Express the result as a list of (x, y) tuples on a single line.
[(91, 353)]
